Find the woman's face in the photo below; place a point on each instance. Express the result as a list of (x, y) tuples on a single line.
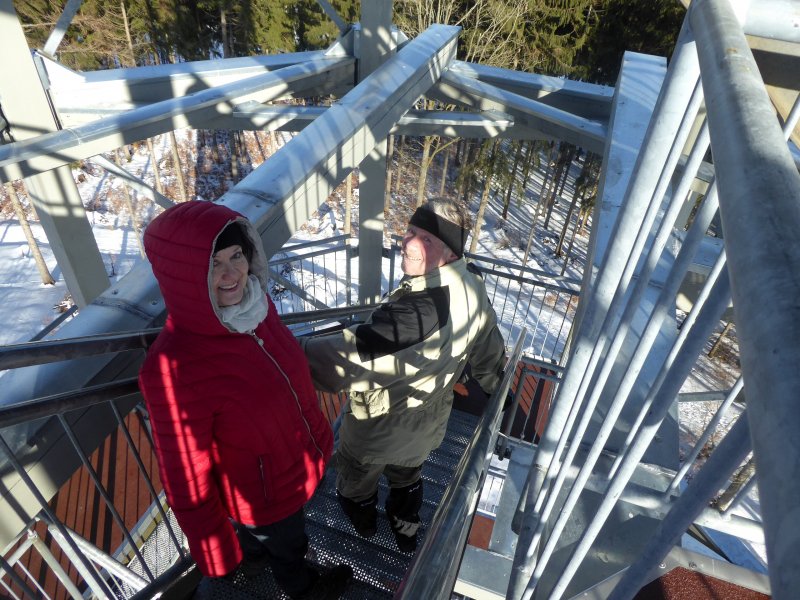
[(229, 275)]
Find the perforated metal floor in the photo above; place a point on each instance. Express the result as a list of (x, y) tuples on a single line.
[(378, 565)]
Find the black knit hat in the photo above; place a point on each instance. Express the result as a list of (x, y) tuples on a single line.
[(233, 235)]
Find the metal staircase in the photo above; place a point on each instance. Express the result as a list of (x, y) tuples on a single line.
[(378, 566)]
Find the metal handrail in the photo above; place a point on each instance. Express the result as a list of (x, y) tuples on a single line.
[(433, 571), (505, 263), (48, 406), (38, 353), (551, 287)]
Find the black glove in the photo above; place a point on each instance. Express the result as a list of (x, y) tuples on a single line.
[(508, 401)]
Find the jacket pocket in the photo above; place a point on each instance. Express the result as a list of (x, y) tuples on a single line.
[(371, 404)]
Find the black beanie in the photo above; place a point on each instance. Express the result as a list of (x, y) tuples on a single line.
[(233, 235)]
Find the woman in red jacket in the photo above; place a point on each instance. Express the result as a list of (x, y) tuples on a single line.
[(240, 438)]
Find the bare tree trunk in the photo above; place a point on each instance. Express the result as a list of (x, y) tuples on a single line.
[(549, 178), (715, 348), (560, 245), (487, 185), (529, 160), (244, 148), (558, 183), (215, 147), (542, 196), (569, 247), (44, 272), (576, 195), (584, 216), (154, 162), (510, 190), (399, 163), (234, 154), (348, 204), (737, 483), (132, 57), (176, 164), (573, 150), (223, 22), (466, 170), (129, 205), (387, 194), (423, 170), (476, 229), (259, 145), (444, 171), (389, 158)]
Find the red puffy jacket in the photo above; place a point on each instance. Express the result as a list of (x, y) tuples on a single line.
[(236, 421)]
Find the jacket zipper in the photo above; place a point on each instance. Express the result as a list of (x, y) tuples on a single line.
[(263, 478), (260, 343)]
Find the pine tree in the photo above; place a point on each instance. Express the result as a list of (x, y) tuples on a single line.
[(648, 26), (272, 27)]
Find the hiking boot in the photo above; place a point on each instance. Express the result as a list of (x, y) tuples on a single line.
[(252, 567), (328, 584), (405, 532), (363, 515), (402, 510)]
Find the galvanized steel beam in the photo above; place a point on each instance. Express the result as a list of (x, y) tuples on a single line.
[(283, 192), (557, 123), (587, 100), (130, 87), (759, 190), (60, 30), (58, 148)]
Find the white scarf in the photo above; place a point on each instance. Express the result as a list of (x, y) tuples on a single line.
[(251, 310)]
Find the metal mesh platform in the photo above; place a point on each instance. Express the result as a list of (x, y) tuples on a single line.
[(378, 565)]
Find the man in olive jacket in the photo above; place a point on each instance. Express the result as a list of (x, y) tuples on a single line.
[(400, 367)]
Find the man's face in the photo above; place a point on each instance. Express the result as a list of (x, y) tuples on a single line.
[(423, 252)]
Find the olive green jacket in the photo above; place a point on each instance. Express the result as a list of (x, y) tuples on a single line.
[(400, 366)]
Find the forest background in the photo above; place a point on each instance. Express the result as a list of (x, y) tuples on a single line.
[(579, 39)]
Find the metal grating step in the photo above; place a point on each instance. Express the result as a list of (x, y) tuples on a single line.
[(378, 565)]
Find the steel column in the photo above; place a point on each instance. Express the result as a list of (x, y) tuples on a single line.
[(759, 191), (375, 48), (54, 194)]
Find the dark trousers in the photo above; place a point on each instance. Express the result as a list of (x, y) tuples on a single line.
[(358, 481), (283, 545)]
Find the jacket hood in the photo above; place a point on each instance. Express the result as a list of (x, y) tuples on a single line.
[(179, 244)]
